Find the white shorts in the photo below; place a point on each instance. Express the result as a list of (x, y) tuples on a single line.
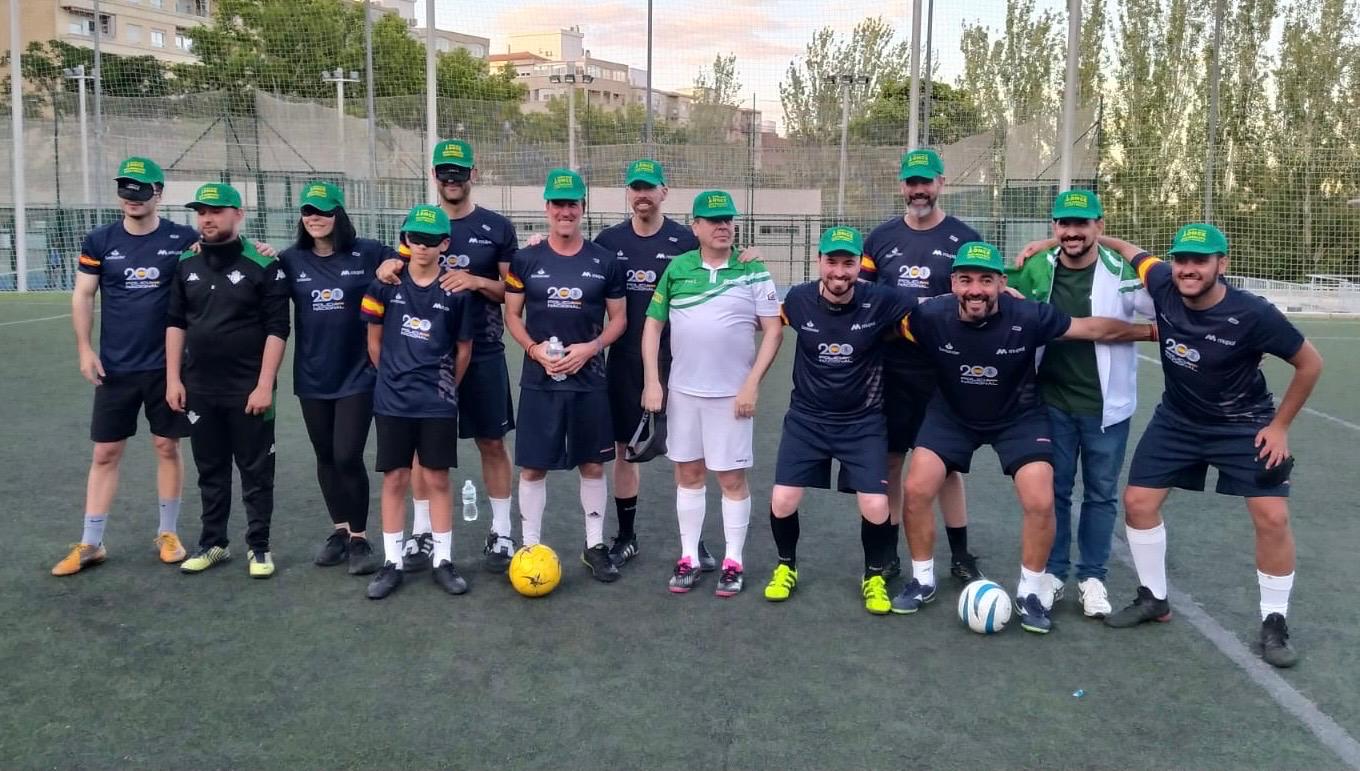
[(707, 428)]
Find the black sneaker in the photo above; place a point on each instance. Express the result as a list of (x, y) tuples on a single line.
[(622, 550), (597, 559), (362, 560), (894, 568), (448, 579), (1034, 617), (707, 562), (1144, 608), (387, 581), (497, 552), (335, 550), (965, 568), (416, 554), (1275, 647)]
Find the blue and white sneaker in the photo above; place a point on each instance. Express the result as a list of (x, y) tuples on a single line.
[(912, 597), (1034, 617)]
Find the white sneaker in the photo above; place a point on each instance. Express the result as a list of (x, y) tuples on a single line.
[(1056, 584), (1095, 602)]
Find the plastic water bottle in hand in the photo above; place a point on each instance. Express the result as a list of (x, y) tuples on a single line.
[(469, 501), (555, 352)]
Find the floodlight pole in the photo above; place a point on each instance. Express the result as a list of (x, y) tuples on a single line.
[(369, 97), (16, 112), (1069, 107), (78, 74), (339, 79), (431, 127), (1211, 128), (647, 126), (914, 100)]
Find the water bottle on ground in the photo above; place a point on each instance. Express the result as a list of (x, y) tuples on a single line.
[(555, 352), (469, 501)]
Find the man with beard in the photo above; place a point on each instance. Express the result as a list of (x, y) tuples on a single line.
[(1090, 389), (983, 344), (225, 333), (913, 254), (836, 410), (481, 243), (130, 264), (1216, 410)]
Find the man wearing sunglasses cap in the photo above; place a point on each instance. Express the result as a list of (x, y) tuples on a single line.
[(129, 263)]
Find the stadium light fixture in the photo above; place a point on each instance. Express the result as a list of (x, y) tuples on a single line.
[(846, 81), (339, 77)]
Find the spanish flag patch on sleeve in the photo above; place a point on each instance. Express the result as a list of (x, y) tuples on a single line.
[(89, 261), (905, 326), (512, 281), (371, 306)]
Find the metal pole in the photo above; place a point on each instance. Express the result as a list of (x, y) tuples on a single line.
[(370, 96), (914, 100), (647, 126), (98, 94), (1069, 109), (845, 153), (929, 96), (1212, 129), (340, 120), (84, 135), (431, 127), (16, 112), (571, 116)]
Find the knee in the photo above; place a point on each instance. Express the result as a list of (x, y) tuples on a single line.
[(874, 508), (784, 501), (592, 470), (532, 475), (397, 480), (1140, 508), (1274, 519), (690, 475), (490, 448), (107, 453), (733, 484), (167, 448)]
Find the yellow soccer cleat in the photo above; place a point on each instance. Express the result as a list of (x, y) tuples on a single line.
[(261, 564), (170, 548), (204, 559), (875, 591), (81, 556), (781, 584)]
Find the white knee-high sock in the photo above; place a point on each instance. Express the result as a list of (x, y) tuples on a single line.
[(594, 497), (1274, 593), (392, 544), (1149, 557), (736, 519), (533, 498), (689, 509), (500, 516), (421, 523)]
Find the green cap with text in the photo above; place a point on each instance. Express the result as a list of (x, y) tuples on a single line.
[(139, 169), (712, 204), (1077, 205), (427, 219), (564, 185), (645, 170), (1199, 238), (452, 152), (322, 196), (841, 240), (216, 195), (921, 164), (979, 255)]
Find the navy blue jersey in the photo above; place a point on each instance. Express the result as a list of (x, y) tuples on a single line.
[(986, 371), (479, 243), (1211, 359), (565, 297), (644, 260), (838, 361), (134, 287), (330, 348), (421, 326), (917, 263)]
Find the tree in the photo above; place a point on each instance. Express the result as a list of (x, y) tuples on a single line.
[(953, 115), (812, 104), (720, 84)]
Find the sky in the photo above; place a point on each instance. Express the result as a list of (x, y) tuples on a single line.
[(765, 35)]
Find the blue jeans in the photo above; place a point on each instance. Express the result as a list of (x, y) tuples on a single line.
[(1101, 453)]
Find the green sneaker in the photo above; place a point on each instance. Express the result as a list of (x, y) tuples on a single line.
[(875, 591), (204, 559), (261, 563), (782, 583)]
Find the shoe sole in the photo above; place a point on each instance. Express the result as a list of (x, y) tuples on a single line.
[(255, 575), (204, 569), (679, 589), (89, 564), (725, 593), (1034, 629), (785, 598), (605, 579), (174, 560), (1100, 614), (908, 612), (384, 595)]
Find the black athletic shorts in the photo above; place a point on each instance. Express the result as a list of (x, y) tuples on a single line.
[(623, 371), (1175, 453), (906, 394), (1025, 439), (484, 407), (119, 399), (808, 445), (399, 439), (562, 429)]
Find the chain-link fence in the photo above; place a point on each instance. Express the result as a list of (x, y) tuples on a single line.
[(1246, 115)]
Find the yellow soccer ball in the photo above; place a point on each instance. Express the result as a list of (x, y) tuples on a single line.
[(535, 570)]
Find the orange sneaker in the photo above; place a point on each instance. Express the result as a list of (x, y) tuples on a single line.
[(172, 551), (81, 556)]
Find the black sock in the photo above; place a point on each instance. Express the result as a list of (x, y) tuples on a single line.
[(877, 542), (627, 508), (785, 531), (896, 535), (958, 541)]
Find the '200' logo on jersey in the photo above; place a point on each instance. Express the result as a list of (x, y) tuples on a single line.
[(450, 261), (141, 274), (835, 349), (977, 370), (415, 323), (642, 276), (564, 293), (913, 271), (327, 295)]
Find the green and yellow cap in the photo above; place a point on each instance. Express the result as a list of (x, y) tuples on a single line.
[(139, 169), (427, 219), (645, 170), (841, 240), (712, 204), (979, 255), (921, 164), (216, 195), (452, 152), (322, 196), (564, 185), (1077, 205), (1199, 238)]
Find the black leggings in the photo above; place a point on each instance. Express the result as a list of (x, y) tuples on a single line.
[(338, 429)]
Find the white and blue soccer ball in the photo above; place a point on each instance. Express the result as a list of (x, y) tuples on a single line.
[(985, 607)]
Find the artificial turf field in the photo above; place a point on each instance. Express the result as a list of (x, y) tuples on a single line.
[(133, 664)]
